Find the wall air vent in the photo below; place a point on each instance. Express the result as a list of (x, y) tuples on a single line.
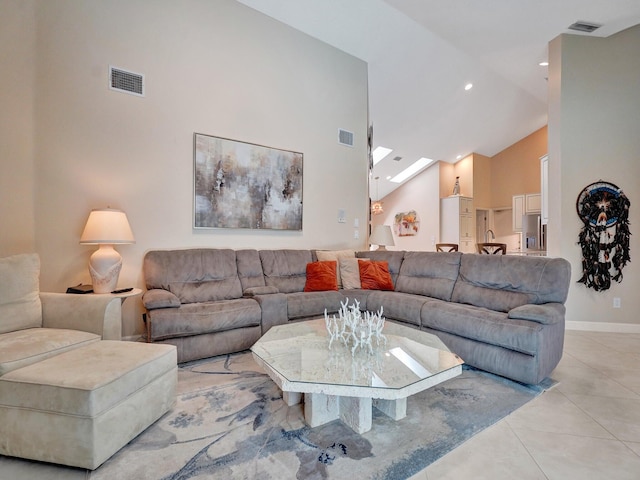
[(126, 82), (345, 138), (586, 27)]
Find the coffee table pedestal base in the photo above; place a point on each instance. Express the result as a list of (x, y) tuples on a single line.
[(356, 412)]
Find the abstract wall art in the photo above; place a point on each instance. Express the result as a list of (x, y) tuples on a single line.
[(407, 223), (244, 185)]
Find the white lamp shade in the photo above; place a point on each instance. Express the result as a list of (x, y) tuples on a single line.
[(381, 235), (107, 226)]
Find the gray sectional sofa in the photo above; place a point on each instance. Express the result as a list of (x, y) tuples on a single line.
[(503, 314)]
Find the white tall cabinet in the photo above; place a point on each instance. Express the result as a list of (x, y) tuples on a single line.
[(458, 223)]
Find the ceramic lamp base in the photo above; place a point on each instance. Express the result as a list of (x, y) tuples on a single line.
[(104, 268)]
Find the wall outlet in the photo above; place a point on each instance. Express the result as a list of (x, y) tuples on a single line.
[(356, 234), (617, 302), (342, 216)]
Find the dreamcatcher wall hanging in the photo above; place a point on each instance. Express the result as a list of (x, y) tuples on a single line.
[(604, 238)]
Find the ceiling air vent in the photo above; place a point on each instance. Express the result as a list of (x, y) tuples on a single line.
[(585, 27), (397, 159), (345, 138), (127, 82)]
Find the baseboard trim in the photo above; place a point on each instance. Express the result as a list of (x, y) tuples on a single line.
[(603, 327)]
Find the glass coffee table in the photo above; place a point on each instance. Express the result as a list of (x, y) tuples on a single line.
[(334, 384)]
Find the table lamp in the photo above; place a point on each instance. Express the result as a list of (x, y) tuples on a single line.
[(106, 227), (382, 237)]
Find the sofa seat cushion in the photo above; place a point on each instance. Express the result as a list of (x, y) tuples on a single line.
[(20, 305), (397, 306), (200, 318), (25, 347), (311, 304), (482, 325), (359, 295)]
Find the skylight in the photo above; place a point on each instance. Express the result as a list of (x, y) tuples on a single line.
[(379, 153), (411, 170)]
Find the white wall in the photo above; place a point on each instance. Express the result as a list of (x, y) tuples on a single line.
[(213, 67), (17, 64), (594, 116), (422, 194)]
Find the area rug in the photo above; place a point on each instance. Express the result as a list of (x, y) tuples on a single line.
[(230, 422)]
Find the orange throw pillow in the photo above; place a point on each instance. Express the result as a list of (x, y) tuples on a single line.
[(321, 276), (375, 275)]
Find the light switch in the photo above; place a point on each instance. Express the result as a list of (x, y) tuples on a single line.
[(356, 223)]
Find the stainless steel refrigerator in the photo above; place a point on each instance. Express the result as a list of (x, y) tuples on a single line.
[(533, 234)]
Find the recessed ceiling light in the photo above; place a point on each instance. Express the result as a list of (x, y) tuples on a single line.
[(468, 86), (410, 170), (544, 64), (388, 177), (458, 157), (379, 153)]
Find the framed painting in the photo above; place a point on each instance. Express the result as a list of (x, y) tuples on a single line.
[(407, 223), (244, 185)]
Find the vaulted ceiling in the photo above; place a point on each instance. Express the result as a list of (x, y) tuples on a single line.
[(422, 53)]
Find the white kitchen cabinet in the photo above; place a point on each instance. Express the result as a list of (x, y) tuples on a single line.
[(458, 223), (532, 202), (524, 205), (517, 212), (544, 189)]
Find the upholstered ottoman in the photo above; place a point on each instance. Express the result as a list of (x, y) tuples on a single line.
[(80, 407)]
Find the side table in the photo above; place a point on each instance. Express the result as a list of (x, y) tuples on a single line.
[(122, 296)]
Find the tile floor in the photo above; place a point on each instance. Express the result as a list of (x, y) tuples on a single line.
[(588, 427)]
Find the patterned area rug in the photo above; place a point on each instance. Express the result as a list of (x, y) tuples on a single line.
[(230, 422)]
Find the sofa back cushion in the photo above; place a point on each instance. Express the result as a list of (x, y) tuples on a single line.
[(249, 269), (20, 306), (286, 269), (503, 282), (194, 275), (429, 273), (392, 257)]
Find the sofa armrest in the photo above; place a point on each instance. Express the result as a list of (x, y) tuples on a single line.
[(99, 314), (159, 298), (274, 310), (547, 313)]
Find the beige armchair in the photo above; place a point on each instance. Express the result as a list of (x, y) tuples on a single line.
[(35, 325)]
